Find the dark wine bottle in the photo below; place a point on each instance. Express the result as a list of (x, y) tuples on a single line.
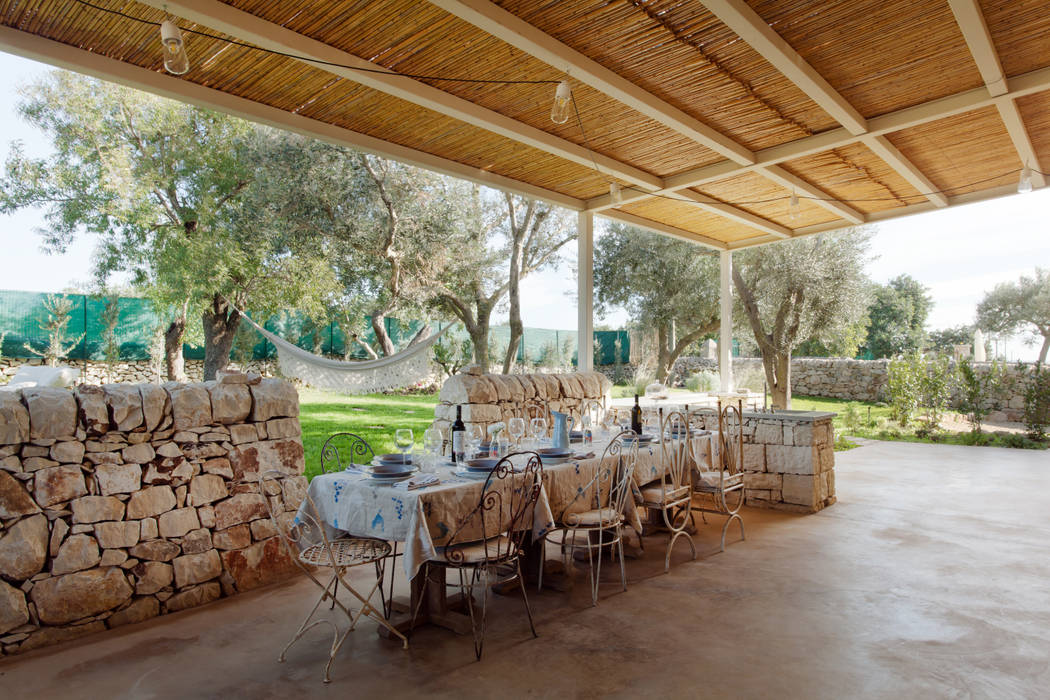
[(636, 417), (459, 433)]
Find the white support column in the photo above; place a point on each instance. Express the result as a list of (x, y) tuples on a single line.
[(585, 291), (725, 329)]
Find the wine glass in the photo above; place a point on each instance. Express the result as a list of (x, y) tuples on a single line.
[(432, 441), (477, 436), (404, 440), (516, 428), (539, 429)]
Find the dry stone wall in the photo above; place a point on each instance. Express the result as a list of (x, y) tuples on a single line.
[(132, 371), (122, 502), (490, 398)]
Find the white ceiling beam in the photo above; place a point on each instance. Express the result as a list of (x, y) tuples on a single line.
[(164, 85), (511, 29), (664, 229), (732, 213), (817, 196), (1011, 116), (1019, 86), (248, 27), (881, 146), (971, 21), (756, 32)]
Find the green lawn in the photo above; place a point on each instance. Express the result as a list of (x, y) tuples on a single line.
[(374, 417)]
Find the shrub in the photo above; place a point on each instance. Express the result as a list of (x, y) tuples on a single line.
[(981, 391), (702, 381), (902, 382), (920, 384), (1037, 402)]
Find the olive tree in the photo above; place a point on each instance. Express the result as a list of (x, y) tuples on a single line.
[(1023, 305)]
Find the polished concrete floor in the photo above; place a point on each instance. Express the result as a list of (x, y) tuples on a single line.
[(928, 579)]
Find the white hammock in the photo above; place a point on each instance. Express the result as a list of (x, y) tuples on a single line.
[(360, 377)]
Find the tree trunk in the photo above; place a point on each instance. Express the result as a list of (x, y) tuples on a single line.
[(379, 328), (479, 336), (778, 377), (1044, 349), (663, 352), (174, 364), (220, 322)]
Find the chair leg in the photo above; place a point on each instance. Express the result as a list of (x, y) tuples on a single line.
[(335, 591), (725, 528), (525, 598), (543, 556), (623, 567), (596, 575)]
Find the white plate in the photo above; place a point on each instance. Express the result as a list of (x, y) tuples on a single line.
[(391, 476), (470, 473)]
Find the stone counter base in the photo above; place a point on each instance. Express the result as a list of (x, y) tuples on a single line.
[(123, 502)]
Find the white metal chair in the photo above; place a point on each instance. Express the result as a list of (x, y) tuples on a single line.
[(672, 495), (491, 537), (601, 525), (723, 479), (299, 538)]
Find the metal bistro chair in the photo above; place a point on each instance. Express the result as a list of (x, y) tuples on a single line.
[(347, 450), (672, 495), (491, 537), (594, 411), (337, 555), (606, 497), (724, 474)]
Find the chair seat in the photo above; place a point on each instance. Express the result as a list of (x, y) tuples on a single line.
[(600, 517), (655, 496), (713, 480), (348, 551), (493, 549)]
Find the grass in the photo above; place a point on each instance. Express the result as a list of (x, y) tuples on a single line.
[(374, 417)]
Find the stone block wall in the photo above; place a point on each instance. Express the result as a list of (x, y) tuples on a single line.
[(122, 502), (789, 460), (132, 371), (490, 398)]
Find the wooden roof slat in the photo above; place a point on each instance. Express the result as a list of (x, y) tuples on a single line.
[(248, 27), (747, 24)]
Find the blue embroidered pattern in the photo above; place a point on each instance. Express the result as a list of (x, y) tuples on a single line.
[(399, 506), (377, 522)]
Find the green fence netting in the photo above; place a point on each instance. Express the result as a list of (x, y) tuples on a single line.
[(22, 315)]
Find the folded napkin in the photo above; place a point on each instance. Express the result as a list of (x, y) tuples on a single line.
[(418, 482), (589, 455)]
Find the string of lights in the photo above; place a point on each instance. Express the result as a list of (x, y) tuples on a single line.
[(563, 106)]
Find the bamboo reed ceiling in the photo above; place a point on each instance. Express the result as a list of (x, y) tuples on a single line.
[(691, 69)]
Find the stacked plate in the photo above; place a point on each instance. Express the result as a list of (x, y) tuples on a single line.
[(477, 468), (640, 439), (554, 455), (392, 467)]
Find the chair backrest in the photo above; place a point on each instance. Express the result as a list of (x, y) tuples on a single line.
[(704, 418), (535, 408), (611, 484), (506, 506), (593, 409), (731, 438), (343, 449), (674, 450)]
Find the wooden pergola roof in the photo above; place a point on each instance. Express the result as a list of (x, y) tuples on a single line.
[(709, 114)]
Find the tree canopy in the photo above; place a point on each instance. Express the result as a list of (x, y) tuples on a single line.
[(898, 314), (668, 285), (1023, 305)]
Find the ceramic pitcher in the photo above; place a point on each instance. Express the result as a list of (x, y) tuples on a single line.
[(563, 422)]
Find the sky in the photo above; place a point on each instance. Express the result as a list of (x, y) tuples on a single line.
[(958, 253)]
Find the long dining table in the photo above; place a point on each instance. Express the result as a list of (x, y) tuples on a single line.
[(422, 520)]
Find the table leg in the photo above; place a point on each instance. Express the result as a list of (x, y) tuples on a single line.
[(436, 606)]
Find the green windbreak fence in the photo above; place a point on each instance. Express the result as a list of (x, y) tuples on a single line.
[(22, 315)]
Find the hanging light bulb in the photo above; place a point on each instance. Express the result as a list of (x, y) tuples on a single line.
[(175, 60), (562, 103), (1025, 183), (614, 193), (793, 206)]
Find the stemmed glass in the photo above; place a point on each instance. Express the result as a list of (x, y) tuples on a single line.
[(516, 428), (432, 442), (404, 439), (539, 430), (477, 436)]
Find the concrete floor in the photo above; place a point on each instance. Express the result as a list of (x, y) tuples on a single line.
[(928, 578)]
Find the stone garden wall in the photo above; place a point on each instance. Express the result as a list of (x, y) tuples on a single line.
[(489, 398), (132, 371), (122, 502)]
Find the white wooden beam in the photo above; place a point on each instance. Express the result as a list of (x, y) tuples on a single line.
[(510, 28), (749, 26), (158, 83), (881, 146), (664, 229), (585, 291), (248, 27), (1011, 116), (1019, 86), (732, 213), (819, 197), (970, 19), (725, 327)]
